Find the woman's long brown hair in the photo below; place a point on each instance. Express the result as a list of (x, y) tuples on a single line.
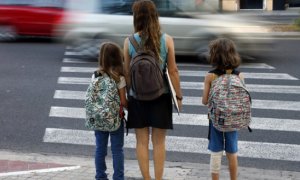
[(146, 22)]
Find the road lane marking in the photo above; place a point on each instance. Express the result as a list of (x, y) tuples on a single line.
[(263, 150), (244, 65), (256, 104), (196, 101), (74, 60), (73, 80), (274, 124), (70, 53), (248, 75), (261, 88)]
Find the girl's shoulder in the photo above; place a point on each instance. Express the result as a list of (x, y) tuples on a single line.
[(209, 77)]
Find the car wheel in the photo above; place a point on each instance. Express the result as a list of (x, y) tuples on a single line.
[(88, 48), (7, 33), (201, 48)]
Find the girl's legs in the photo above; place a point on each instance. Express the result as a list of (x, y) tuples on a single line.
[(215, 164), (232, 165), (215, 145), (142, 151), (159, 152), (231, 148), (100, 154), (117, 143)]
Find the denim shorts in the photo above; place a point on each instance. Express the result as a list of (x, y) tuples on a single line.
[(219, 141)]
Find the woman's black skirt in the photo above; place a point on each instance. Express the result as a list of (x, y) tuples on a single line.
[(156, 113)]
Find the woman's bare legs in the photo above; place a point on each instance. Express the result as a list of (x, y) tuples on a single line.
[(159, 152), (142, 151), (232, 165)]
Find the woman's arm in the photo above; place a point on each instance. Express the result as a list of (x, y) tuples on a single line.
[(172, 68), (126, 62)]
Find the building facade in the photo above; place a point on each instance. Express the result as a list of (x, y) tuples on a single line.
[(267, 5)]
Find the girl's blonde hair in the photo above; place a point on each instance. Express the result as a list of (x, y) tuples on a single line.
[(111, 60), (145, 21), (223, 54)]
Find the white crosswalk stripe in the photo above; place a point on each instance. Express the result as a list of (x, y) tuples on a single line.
[(196, 101), (263, 150), (199, 86), (244, 65), (192, 119), (248, 75)]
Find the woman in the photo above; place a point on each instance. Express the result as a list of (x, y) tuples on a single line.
[(154, 115)]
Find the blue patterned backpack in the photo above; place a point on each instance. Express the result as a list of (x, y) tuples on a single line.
[(229, 103), (102, 104)]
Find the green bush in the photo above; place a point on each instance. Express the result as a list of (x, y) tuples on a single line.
[(297, 23)]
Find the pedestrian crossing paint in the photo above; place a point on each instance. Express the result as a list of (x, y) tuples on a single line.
[(72, 53), (244, 65), (197, 101), (264, 150), (73, 60), (291, 125), (256, 104), (260, 88), (273, 151), (248, 75), (73, 80)]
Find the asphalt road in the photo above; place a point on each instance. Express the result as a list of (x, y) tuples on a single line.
[(31, 74)]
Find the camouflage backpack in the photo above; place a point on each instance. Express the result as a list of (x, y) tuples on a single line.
[(229, 103), (102, 104)]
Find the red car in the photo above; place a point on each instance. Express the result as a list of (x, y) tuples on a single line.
[(30, 17)]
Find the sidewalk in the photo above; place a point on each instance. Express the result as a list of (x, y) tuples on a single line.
[(295, 11), (20, 166)]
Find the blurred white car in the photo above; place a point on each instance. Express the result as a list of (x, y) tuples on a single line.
[(95, 21)]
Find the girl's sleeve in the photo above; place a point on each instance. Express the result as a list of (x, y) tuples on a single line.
[(122, 82)]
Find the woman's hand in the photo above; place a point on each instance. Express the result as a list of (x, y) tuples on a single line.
[(179, 105), (179, 101)]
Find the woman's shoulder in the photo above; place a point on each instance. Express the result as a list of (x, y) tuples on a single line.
[(169, 40), (168, 37)]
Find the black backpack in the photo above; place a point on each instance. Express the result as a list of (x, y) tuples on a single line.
[(147, 80)]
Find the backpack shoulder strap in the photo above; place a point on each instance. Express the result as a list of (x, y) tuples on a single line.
[(134, 42), (234, 71)]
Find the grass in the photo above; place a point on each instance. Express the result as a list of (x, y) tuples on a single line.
[(285, 28)]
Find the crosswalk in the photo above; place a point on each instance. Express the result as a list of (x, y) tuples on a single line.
[(76, 72)]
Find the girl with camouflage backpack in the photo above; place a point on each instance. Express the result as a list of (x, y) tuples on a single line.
[(105, 99)]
